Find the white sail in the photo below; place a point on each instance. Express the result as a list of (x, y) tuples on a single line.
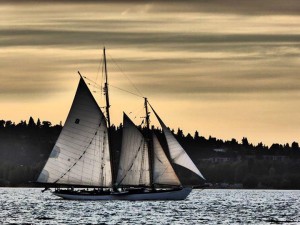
[(177, 153), (134, 160), (163, 172), (81, 153)]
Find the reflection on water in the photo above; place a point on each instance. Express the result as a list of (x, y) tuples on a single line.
[(24, 205)]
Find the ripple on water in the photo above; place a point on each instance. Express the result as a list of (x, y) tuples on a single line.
[(30, 206)]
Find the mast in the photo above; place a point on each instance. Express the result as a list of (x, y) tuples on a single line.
[(177, 154), (149, 142), (147, 114), (108, 121), (106, 90)]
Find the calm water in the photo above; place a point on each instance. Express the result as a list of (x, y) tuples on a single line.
[(30, 206)]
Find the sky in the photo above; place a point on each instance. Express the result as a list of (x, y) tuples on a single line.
[(229, 69)]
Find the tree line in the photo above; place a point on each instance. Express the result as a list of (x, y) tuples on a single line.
[(25, 147)]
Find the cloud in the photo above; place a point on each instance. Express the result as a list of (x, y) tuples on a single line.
[(206, 59), (35, 37), (177, 44), (244, 7)]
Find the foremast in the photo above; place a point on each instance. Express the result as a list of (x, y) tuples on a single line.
[(108, 120), (157, 157), (149, 142), (177, 154)]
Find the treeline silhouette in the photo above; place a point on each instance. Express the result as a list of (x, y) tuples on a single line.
[(25, 147)]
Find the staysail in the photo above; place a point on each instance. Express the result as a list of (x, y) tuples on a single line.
[(81, 153), (134, 160), (163, 172), (177, 153)]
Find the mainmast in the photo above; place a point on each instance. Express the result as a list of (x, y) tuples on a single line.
[(149, 142), (106, 90), (108, 121)]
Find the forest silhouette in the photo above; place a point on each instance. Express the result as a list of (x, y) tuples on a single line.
[(25, 147)]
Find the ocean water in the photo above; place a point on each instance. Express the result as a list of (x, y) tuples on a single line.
[(30, 206)]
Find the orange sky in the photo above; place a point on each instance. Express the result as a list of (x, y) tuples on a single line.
[(225, 71)]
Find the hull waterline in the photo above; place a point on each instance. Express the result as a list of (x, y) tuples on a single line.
[(158, 195)]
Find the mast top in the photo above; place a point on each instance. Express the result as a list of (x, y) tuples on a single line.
[(147, 114)]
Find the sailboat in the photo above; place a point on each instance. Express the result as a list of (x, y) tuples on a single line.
[(83, 159)]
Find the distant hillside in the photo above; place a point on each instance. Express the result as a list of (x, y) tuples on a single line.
[(25, 147)]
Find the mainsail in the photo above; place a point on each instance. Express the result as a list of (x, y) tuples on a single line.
[(134, 160), (177, 153), (163, 172), (81, 153)]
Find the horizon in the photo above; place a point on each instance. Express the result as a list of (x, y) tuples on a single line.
[(159, 128), (225, 70)]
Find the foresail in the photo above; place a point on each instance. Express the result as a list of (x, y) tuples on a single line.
[(81, 154), (177, 153), (163, 172), (134, 159)]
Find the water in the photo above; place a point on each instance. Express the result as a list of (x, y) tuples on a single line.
[(30, 206)]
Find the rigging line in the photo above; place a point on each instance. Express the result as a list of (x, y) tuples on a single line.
[(61, 165), (102, 160), (139, 92), (88, 125), (58, 172), (121, 89), (125, 91), (132, 163), (65, 157), (89, 130), (142, 163), (136, 112), (66, 154), (95, 83), (69, 133), (161, 173), (102, 77), (79, 157)]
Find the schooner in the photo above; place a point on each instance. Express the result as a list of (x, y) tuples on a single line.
[(82, 156)]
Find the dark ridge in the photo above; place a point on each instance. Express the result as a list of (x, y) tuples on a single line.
[(25, 147)]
